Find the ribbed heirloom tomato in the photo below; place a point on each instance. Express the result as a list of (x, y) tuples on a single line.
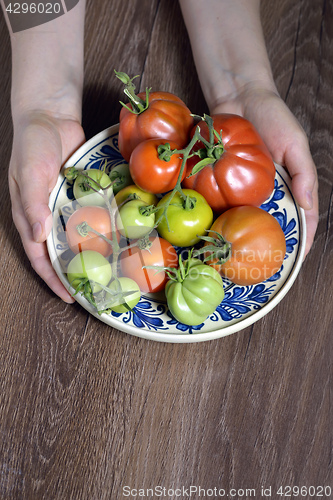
[(151, 115), (194, 293), (256, 241), (166, 117), (238, 172)]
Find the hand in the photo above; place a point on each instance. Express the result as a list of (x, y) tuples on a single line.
[(42, 143), (287, 143)]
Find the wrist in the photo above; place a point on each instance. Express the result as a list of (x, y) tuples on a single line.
[(55, 100), (47, 67), (228, 48), (235, 89)]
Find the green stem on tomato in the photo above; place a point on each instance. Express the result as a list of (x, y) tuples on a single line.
[(138, 105), (178, 188), (217, 248), (84, 229)]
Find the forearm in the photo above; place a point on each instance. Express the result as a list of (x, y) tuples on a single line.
[(47, 66), (228, 47)]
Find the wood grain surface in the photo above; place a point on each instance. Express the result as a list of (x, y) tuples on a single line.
[(86, 410)]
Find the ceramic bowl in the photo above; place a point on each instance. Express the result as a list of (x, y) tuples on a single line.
[(150, 318)]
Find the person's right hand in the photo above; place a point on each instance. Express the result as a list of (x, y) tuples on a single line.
[(287, 143), (41, 144)]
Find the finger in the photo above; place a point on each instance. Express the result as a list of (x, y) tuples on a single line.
[(311, 217), (303, 172), (304, 184), (34, 185)]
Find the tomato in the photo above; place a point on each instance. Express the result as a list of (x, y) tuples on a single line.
[(195, 293), (165, 116), (97, 180), (157, 252), (152, 167), (183, 225), (89, 266), (98, 218), (131, 295), (120, 176), (258, 245), (132, 221), (133, 189), (244, 173)]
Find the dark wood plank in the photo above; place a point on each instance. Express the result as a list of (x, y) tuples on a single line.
[(86, 409)]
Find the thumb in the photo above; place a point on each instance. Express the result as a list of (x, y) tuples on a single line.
[(299, 162), (35, 198), (35, 178)]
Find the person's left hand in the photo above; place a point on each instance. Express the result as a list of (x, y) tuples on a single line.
[(41, 144)]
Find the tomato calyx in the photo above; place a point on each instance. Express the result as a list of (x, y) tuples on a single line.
[(218, 248), (85, 286), (165, 152), (147, 210), (212, 151), (177, 274), (144, 243), (117, 179), (138, 105), (189, 203), (104, 300), (84, 229), (71, 173)]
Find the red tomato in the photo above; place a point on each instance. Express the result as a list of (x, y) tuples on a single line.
[(243, 175), (258, 245), (151, 173), (166, 117), (159, 252), (97, 218)]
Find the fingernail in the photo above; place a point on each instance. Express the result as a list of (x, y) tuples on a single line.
[(309, 199), (37, 231)]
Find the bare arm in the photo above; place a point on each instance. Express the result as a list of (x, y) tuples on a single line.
[(228, 47), (47, 81)]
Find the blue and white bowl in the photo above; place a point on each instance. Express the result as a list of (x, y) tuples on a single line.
[(150, 319)]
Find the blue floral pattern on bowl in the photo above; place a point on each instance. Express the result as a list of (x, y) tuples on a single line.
[(241, 306)]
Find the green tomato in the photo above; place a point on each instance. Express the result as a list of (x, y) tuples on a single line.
[(184, 224), (122, 177), (131, 220), (98, 180), (195, 295), (92, 266), (123, 303)]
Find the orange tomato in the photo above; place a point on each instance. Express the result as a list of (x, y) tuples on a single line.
[(98, 218), (258, 245), (158, 252)]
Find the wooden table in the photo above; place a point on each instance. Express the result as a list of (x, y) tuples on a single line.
[(89, 412)]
